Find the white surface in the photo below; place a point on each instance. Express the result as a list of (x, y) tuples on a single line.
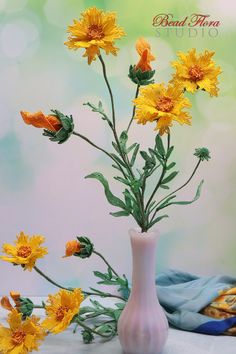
[(179, 342)]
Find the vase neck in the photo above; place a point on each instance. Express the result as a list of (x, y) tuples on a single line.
[(144, 261)]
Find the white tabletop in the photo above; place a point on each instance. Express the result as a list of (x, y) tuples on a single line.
[(179, 342)]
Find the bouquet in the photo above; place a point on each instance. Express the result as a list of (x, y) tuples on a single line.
[(163, 106)]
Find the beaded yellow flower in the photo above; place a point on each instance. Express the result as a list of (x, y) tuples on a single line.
[(163, 105), (94, 31), (21, 337), (61, 308), (26, 250), (197, 71)]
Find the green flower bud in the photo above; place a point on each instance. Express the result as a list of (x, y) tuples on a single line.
[(202, 154), (88, 336), (141, 77), (66, 130), (25, 307), (86, 247)]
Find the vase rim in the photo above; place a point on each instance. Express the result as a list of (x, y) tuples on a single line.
[(135, 232)]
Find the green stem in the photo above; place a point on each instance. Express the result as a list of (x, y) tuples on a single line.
[(104, 260), (101, 149), (178, 189), (80, 323), (161, 177), (134, 108), (87, 293), (123, 156), (49, 279), (38, 307)]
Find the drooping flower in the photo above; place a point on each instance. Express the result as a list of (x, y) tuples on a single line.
[(163, 105), (26, 250), (144, 50), (57, 127), (6, 304), (61, 308), (95, 30), (197, 71), (40, 120), (21, 337), (72, 247)]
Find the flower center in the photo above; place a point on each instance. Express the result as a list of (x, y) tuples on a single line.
[(24, 251), (95, 32), (196, 73), (18, 337), (165, 104), (60, 313)]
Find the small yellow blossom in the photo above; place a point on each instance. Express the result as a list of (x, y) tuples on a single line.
[(21, 337), (72, 247), (61, 308), (197, 71), (40, 120), (25, 252), (162, 105), (94, 31), (144, 50)]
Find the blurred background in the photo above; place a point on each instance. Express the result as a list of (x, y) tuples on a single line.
[(42, 185)]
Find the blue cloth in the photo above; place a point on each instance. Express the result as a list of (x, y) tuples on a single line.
[(183, 295)]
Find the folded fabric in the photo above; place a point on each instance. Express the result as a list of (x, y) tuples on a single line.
[(198, 304)]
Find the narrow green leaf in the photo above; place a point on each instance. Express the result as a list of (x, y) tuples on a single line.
[(123, 140), (122, 180), (169, 178), (161, 206), (159, 145), (159, 218), (112, 199), (118, 160), (169, 152), (120, 213), (115, 146), (164, 186), (197, 195), (133, 158), (171, 165), (131, 148)]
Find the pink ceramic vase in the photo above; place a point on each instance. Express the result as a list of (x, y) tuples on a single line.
[(143, 326)]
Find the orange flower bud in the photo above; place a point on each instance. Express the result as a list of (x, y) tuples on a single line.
[(40, 120), (15, 297), (5, 303), (144, 50), (72, 247)]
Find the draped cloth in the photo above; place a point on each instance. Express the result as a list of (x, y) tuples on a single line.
[(204, 304)]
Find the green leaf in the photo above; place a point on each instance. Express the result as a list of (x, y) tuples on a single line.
[(118, 160), (123, 140), (159, 218), (169, 152), (133, 158), (164, 186), (169, 178), (171, 165), (115, 146), (161, 206), (197, 195), (122, 180), (121, 213), (159, 145), (112, 199), (131, 148)]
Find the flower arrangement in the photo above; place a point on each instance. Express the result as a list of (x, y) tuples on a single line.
[(162, 104)]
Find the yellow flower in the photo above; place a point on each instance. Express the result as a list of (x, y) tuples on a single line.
[(26, 250), (162, 105), (40, 120), (197, 71), (94, 31), (61, 308), (21, 337), (72, 247), (144, 50)]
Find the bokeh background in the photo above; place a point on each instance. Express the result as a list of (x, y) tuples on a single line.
[(42, 185)]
